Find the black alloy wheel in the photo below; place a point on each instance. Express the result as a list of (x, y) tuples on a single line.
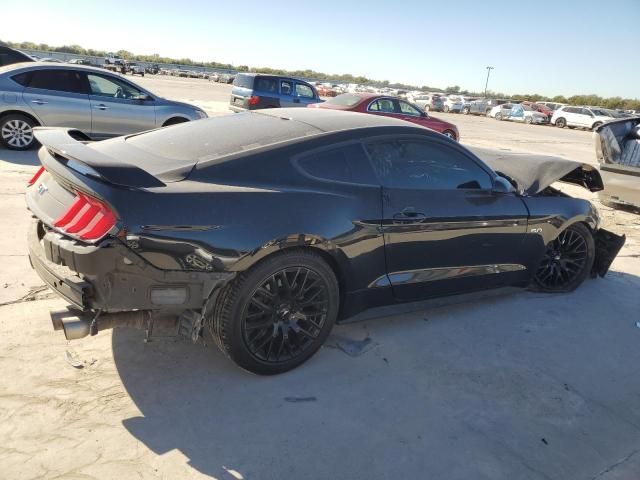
[(285, 314), (278, 314), (567, 261)]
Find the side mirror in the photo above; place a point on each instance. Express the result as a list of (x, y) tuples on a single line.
[(143, 97), (502, 185)]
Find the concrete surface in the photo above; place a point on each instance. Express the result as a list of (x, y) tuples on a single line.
[(507, 385)]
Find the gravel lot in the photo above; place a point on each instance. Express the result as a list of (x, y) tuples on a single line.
[(507, 385)]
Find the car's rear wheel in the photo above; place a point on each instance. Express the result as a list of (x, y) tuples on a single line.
[(567, 261), (528, 120), (426, 108), (596, 125), (275, 316), (16, 132), (498, 116), (450, 134), (446, 109), (488, 112), (561, 122), (465, 110)]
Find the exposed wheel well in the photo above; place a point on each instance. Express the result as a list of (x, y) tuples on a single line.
[(174, 121), (19, 112)]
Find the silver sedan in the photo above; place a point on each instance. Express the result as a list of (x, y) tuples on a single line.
[(99, 103)]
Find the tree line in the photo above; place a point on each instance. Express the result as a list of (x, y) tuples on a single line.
[(610, 102)]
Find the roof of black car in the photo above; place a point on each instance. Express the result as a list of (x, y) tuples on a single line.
[(214, 139)]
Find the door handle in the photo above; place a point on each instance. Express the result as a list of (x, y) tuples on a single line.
[(408, 213), (37, 101), (101, 106)]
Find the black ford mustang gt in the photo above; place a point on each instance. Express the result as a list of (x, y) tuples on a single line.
[(264, 228)]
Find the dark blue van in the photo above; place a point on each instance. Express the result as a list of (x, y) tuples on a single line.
[(252, 91)]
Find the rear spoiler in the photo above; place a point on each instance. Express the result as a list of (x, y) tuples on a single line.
[(71, 148)]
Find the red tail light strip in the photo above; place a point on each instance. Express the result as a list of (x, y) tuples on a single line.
[(35, 178), (87, 218)]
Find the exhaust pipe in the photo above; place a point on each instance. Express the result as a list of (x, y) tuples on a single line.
[(76, 324)]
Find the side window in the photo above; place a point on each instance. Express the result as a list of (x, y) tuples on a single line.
[(382, 105), (22, 78), (347, 163), (286, 87), (111, 87), (303, 90), (408, 109), (266, 84), (426, 166), (59, 80)]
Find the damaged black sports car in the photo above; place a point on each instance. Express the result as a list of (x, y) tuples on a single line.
[(264, 228)]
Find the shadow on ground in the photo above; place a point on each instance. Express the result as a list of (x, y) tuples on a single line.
[(28, 157), (524, 385)]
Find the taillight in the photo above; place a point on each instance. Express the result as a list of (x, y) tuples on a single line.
[(254, 100), (87, 218), (35, 178)]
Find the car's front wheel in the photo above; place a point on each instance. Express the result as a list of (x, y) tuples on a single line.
[(596, 125), (16, 132), (450, 134), (446, 109), (567, 261), (465, 110), (276, 315), (498, 116)]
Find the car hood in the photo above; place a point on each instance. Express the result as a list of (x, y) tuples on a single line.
[(533, 173)]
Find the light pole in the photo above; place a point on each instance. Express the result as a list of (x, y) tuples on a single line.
[(487, 82)]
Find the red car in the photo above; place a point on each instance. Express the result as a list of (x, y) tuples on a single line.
[(389, 107), (539, 108)]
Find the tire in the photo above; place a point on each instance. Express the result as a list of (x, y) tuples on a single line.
[(528, 120), (498, 116), (446, 109), (16, 132), (450, 134), (561, 122), (488, 113), (596, 125), (174, 121), (427, 108), (465, 110), (285, 337), (567, 261)]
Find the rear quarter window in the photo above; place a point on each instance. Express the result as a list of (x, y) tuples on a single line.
[(346, 163)]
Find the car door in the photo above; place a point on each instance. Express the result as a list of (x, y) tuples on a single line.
[(571, 115), (304, 95), (58, 98), (287, 90), (445, 229), (118, 107), (586, 117), (409, 113)]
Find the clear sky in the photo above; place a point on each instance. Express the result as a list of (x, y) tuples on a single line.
[(549, 47)]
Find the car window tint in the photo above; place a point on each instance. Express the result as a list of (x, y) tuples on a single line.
[(243, 81), (409, 109), (266, 84), (22, 78), (347, 163), (111, 87), (303, 90), (286, 87), (427, 166), (59, 80)]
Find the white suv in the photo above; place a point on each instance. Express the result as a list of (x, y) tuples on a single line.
[(583, 117)]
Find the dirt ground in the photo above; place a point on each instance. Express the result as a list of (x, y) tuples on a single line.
[(506, 385)]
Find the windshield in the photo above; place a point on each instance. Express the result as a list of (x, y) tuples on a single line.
[(345, 100)]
